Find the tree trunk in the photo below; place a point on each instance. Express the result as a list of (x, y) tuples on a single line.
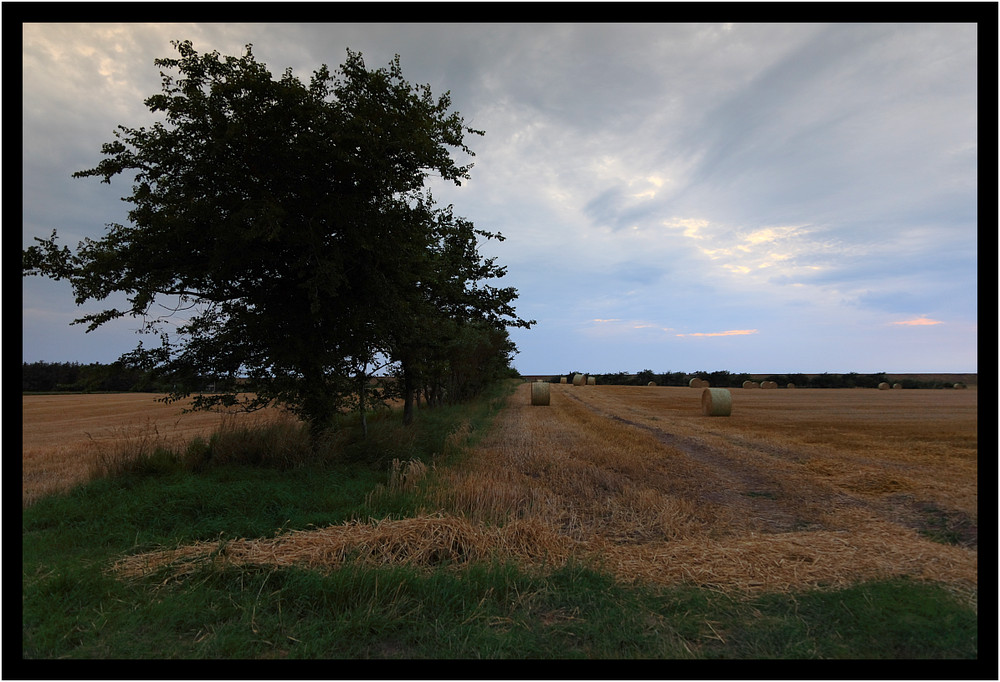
[(407, 397), (316, 406), (362, 390)]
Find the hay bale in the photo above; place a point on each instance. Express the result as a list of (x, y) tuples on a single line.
[(884, 386), (540, 393), (751, 384), (695, 383), (960, 385), (651, 383), (591, 381), (578, 380), (562, 380), (897, 386), (790, 385), (769, 384), (716, 402)]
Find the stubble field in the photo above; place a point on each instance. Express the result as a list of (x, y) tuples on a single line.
[(797, 489), (62, 435)]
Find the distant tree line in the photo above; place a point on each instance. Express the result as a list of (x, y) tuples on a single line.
[(462, 370), (851, 380), (719, 378), (724, 379), (94, 377)]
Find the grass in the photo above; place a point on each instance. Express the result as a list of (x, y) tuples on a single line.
[(72, 608)]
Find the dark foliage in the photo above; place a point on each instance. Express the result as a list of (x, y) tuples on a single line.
[(281, 238)]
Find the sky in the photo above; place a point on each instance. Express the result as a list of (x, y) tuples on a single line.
[(749, 197)]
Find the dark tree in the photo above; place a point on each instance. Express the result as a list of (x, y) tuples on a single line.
[(286, 223)]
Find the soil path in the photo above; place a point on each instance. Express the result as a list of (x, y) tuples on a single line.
[(771, 489), (754, 493)]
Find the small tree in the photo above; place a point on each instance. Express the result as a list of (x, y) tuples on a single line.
[(286, 221)]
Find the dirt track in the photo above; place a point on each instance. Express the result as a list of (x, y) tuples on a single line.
[(759, 483)]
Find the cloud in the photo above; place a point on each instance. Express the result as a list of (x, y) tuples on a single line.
[(819, 176), (692, 226), (921, 321), (731, 332), (619, 327)]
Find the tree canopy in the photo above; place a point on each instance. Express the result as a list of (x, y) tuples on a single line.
[(282, 232)]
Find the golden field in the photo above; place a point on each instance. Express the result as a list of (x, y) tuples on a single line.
[(61, 434), (798, 488)]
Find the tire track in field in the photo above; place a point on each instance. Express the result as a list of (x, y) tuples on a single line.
[(753, 493)]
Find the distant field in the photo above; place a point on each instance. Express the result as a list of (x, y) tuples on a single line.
[(60, 433)]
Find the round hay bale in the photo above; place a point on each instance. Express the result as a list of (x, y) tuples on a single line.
[(540, 393), (751, 384), (562, 380), (960, 385), (769, 384), (591, 381), (578, 380), (790, 385), (651, 383), (884, 386), (897, 386), (695, 383), (716, 402)]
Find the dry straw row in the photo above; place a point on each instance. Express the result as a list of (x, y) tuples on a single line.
[(424, 541), (745, 563)]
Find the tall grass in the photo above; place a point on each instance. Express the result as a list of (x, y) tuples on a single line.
[(276, 442)]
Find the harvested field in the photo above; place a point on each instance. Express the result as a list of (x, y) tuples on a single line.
[(60, 434), (794, 490)]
